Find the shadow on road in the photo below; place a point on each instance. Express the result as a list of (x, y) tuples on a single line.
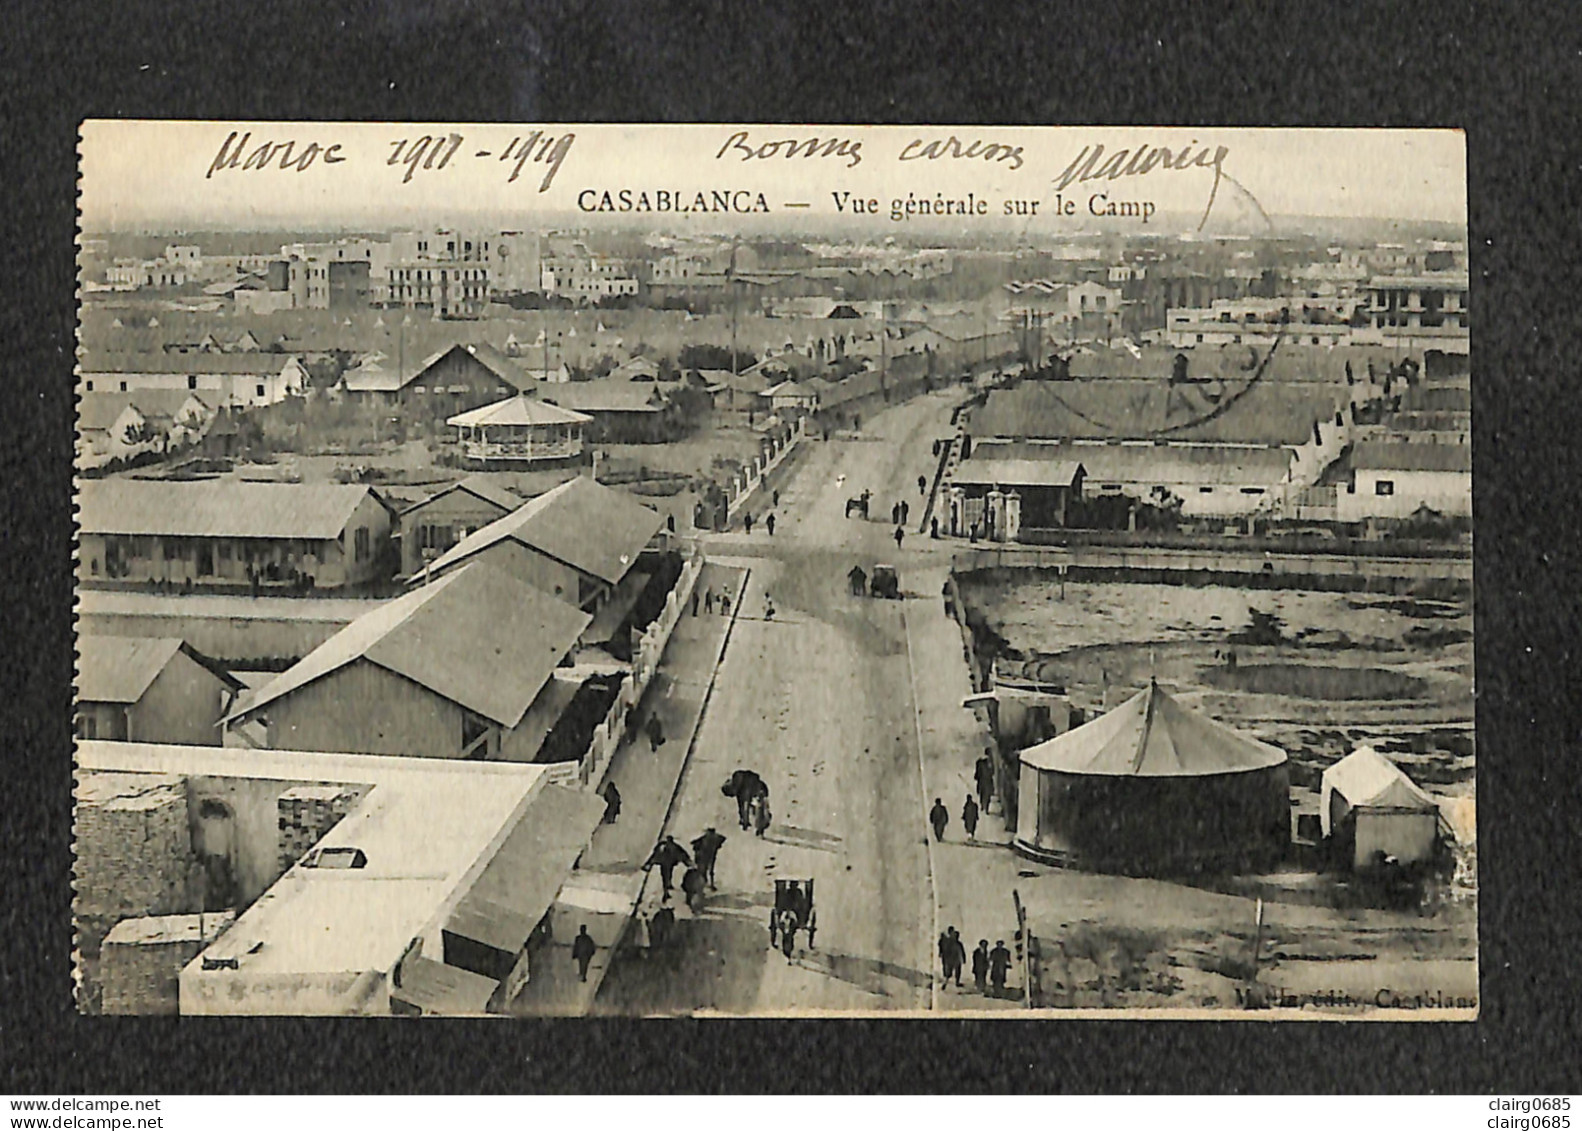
[(872, 975), (802, 838)]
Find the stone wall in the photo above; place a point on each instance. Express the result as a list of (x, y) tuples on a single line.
[(307, 812), (140, 960), (133, 851)]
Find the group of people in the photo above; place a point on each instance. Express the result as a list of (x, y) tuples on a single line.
[(769, 523), (973, 807), (989, 967), (668, 855), (710, 599), (752, 800)]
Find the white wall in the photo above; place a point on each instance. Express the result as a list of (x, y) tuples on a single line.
[(1449, 492)]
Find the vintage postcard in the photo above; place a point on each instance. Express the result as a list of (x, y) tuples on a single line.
[(561, 570)]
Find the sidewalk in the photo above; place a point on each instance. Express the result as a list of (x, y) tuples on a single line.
[(972, 878), (609, 878)]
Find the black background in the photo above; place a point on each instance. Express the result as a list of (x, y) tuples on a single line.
[(1507, 76)]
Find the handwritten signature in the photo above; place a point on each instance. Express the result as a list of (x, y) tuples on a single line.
[(1145, 159)]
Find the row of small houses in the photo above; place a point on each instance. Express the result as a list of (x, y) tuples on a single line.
[(503, 592)]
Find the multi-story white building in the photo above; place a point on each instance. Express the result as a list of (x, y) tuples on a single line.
[(1417, 312), (1318, 321)]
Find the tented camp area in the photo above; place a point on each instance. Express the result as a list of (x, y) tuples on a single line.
[(1152, 787), (1370, 811)]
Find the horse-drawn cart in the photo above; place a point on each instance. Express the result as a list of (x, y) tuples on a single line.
[(793, 912)]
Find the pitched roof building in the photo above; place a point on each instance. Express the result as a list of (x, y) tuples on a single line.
[(576, 541), (150, 689), (458, 668)]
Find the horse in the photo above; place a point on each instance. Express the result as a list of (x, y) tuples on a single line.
[(860, 504)]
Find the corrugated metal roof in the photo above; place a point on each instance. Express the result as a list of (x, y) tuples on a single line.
[(519, 885), (1378, 456), (593, 528), (1018, 472), (218, 508), (1151, 735), (118, 669), (519, 410), (1126, 409), (477, 637)]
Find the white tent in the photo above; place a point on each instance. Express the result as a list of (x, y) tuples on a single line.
[(1367, 798)]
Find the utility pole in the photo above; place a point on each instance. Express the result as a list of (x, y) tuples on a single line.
[(730, 284), (1024, 944)]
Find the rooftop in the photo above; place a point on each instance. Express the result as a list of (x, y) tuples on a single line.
[(593, 528), (425, 827), (98, 411), (1018, 472), (477, 486), (118, 669), (1385, 456), (477, 637), (142, 361), (519, 410), (1166, 463), (605, 395), (1151, 735), (1223, 411), (218, 508)]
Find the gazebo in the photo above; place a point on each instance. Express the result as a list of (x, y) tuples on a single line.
[(519, 430), (1152, 787)]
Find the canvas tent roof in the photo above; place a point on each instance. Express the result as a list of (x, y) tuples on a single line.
[(1151, 735), (596, 529), (1369, 780), (477, 637)]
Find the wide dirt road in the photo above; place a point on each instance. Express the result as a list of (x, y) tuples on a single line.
[(817, 700)]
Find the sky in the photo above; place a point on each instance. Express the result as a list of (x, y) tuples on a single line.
[(148, 175)]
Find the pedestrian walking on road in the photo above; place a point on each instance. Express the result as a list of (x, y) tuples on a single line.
[(769, 525), (612, 803), (706, 850), (983, 775), (761, 816), (969, 817), (775, 501), (939, 817), (906, 511), (899, 534), (692, 884), (660, 925), (922, 484), (933, 527), (667, 854), (980, 966), (999, 963), (787, 933), (895, 514), (582, 949), (747, 521), (958, 954), (694, 602), (725, 603), (708, 601), (656, 733), (769, 607)]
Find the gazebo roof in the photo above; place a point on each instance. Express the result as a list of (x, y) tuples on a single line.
[(519, 410)]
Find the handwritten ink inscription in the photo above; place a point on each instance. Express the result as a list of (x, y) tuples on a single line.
[(1143, 160), (742, 145), (426, 153)]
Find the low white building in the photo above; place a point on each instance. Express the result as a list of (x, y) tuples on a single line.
[(238, 380), (1392, 479)]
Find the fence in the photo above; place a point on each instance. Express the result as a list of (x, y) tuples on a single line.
[(746, 481), (1226, 562), (590, 771)]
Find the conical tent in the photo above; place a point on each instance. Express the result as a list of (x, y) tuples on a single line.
[(1151, 735), (1152, 786)]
